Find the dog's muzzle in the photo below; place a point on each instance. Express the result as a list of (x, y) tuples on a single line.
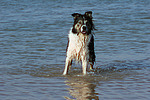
[(84, 29)]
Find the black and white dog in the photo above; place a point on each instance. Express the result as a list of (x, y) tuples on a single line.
[(81, 42)]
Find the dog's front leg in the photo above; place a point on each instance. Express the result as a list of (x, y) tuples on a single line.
[(67, 65), (84, 66), (91, 66)]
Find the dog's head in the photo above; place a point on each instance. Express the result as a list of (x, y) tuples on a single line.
[(83, 23)]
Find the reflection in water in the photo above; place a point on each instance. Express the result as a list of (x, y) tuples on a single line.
[(81, 88)]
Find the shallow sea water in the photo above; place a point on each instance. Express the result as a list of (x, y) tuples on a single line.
[(33, 39)]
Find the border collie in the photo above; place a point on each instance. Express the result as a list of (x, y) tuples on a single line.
[(81, 42)]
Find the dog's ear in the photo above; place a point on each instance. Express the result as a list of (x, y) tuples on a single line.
[(75, 15), (89, 14)]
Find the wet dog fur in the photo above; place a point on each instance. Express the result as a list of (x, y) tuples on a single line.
[(81, 42)]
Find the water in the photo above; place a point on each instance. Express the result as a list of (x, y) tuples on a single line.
[(33, 38)]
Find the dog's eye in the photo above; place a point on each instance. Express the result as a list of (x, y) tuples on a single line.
[(80, 22)]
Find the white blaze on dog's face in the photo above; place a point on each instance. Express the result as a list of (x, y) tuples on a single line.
[(82, 23)]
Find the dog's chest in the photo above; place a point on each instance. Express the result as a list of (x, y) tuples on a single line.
[(78, 45), (79, 41)]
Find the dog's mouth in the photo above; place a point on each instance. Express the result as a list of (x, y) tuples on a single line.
[(83, 32)]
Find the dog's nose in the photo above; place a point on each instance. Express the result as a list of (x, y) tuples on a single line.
[(84, 28)]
